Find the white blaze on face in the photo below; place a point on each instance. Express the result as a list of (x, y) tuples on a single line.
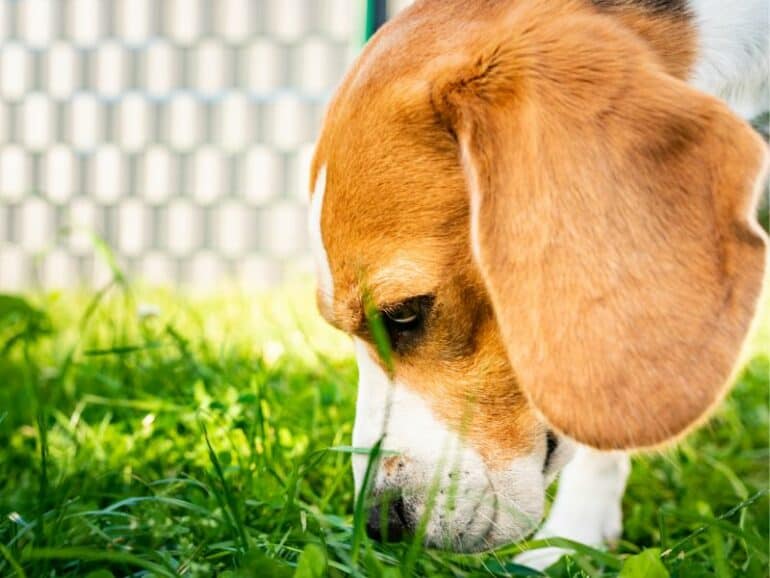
[(410, 426), (323, 271), (472, 179), (473, 507)]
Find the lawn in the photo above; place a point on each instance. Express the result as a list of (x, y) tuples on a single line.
[(152, 433)]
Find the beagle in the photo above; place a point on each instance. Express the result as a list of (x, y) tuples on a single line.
[(549, 205)]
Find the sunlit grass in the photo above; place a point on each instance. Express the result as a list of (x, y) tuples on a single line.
[(153, 433)]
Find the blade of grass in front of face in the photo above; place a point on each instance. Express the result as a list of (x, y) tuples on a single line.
[(379, 333), (382, 343), (417, 544), (360, 513)]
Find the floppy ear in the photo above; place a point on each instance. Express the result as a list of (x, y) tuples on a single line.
[(612, 220)]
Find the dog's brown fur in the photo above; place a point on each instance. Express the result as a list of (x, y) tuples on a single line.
[(617, 269)]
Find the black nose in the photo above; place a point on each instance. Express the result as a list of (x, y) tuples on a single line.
[(387, 520)]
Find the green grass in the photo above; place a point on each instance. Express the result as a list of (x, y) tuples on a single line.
[(196, 442)]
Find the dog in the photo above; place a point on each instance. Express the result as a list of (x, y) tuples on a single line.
[(549, 207)]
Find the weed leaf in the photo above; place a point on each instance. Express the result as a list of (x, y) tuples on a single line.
[(644, 565), (312, 562)]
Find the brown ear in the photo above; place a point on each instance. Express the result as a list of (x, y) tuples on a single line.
[(612, 219)]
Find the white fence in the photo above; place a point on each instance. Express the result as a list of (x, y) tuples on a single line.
[(178, 130)]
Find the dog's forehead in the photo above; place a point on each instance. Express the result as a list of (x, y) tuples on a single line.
[(390, 204), (387, 244), (394, 196)]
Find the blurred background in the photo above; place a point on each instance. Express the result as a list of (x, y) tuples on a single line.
[(178, 131)]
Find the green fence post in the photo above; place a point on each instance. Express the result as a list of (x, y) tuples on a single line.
[(376, 16)]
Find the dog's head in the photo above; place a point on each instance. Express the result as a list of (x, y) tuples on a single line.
[(556, 234)]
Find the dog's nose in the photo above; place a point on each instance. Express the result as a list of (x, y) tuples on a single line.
[(388, 521)]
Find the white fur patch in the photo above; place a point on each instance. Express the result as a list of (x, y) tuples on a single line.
[(587, 507), (475, 508), (733, 53), (323, 270), (383, 407), (757, 190), (472, 178)]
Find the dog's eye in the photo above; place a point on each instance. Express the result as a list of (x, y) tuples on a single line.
[(404, 314), (405, 321)]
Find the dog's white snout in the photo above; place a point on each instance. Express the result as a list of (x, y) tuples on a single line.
[(456, 506), (445, 485), (462, 506)]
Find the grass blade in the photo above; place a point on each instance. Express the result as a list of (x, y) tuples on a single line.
[(231, 506), (85, 554), (12, 561)]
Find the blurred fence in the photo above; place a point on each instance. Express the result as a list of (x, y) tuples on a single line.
[(178, 130)]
